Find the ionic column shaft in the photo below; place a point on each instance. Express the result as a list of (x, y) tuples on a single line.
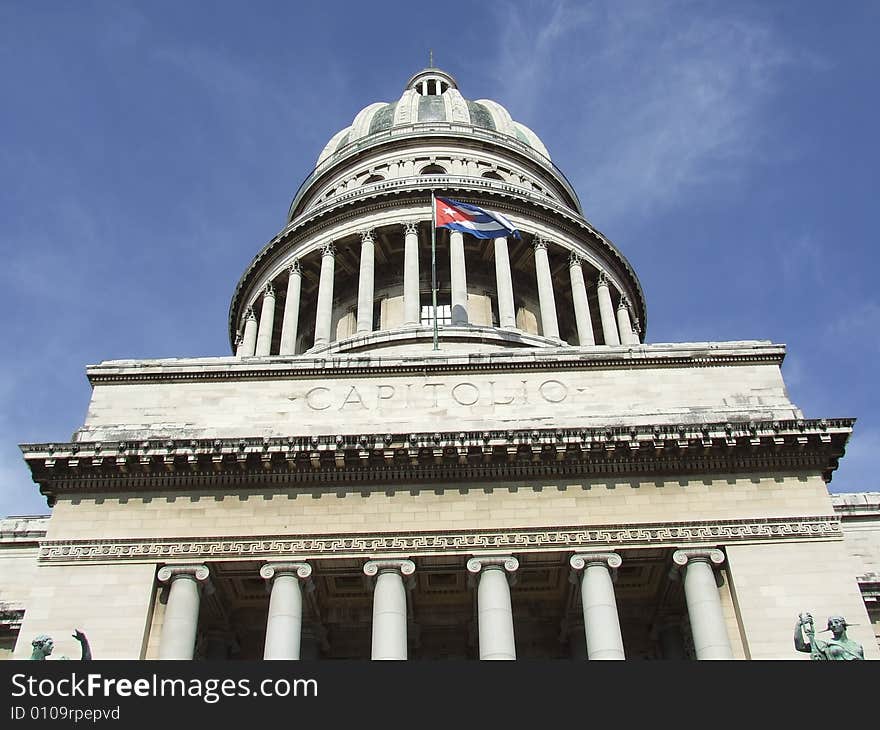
[(546, 300), (458, 278), (324, 314), (389, 607), (366, 282), (704, 602), (181, 620), (290, 321), (581, 304), (624, 324), (504, 285), (267, 322), (249, 339), (284, 624), (494, 612), (601, 622), (411, 304), (606, 311)]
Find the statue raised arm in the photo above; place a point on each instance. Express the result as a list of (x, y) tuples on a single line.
[(43, 646), (84, 645), (838, 647)]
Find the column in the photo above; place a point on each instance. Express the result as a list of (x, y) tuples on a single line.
[(324, 314), (181, 619), (284, 626), (458, 278), (389, 607), (581, 305), (267, 322), (290, 322), (703, 602), (624, 324), (545, 290), (249, 340), (366, 280), (601, 623), (504, 286), (411, 304), (494, 613), (606, 311), (637, 331)]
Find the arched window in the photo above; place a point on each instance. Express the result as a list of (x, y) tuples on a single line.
[(373, 179), (432, 170), (492, 175)]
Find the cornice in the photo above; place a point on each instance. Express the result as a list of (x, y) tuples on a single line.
[(361, 461), (693, 355), (576, 538)]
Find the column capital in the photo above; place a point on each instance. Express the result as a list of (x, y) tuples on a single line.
[(540, 243), (410, 227), (239, 337), (328, 249), (624, 302), (169, 573), (268, 290), (250, 314), (367, 236), (274, 569), (506, 562), (574, 259), (402, 566), (603, 278), (682, 557), (579, 561), (295, 267), (637, 325)]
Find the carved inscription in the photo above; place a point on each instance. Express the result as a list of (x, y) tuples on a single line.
[(489, 395)]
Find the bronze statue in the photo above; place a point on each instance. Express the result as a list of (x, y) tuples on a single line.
[(838, 648), (43, 646)]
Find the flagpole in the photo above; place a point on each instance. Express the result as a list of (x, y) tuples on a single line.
[(434, 264)]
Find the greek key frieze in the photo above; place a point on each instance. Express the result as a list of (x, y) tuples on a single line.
[(318, 546)]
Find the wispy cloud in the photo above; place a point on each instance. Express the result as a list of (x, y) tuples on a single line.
[(803, 261), (860, 322), (667, 97)]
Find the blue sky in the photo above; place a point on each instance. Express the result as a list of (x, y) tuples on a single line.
[(148, 150)]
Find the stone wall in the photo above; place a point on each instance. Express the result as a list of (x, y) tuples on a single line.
[(109, 602), (773, 583)]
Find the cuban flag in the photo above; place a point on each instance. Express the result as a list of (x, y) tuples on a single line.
[(471, 219)]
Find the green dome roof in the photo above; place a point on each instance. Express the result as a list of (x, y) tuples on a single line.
[(432, 96)]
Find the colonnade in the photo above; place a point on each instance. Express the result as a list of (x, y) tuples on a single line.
[(616, 324), (491, 575)]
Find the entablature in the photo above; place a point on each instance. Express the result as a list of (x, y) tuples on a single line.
[(399, 458)]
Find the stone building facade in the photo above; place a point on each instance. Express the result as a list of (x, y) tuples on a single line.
[(542, 482)]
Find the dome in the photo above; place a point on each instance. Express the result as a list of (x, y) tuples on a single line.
[(432, 95), (348, 271)]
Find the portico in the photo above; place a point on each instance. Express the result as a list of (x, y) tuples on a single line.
[(486, 607)]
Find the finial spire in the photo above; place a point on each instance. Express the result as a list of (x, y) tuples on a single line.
[(430, 58)]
